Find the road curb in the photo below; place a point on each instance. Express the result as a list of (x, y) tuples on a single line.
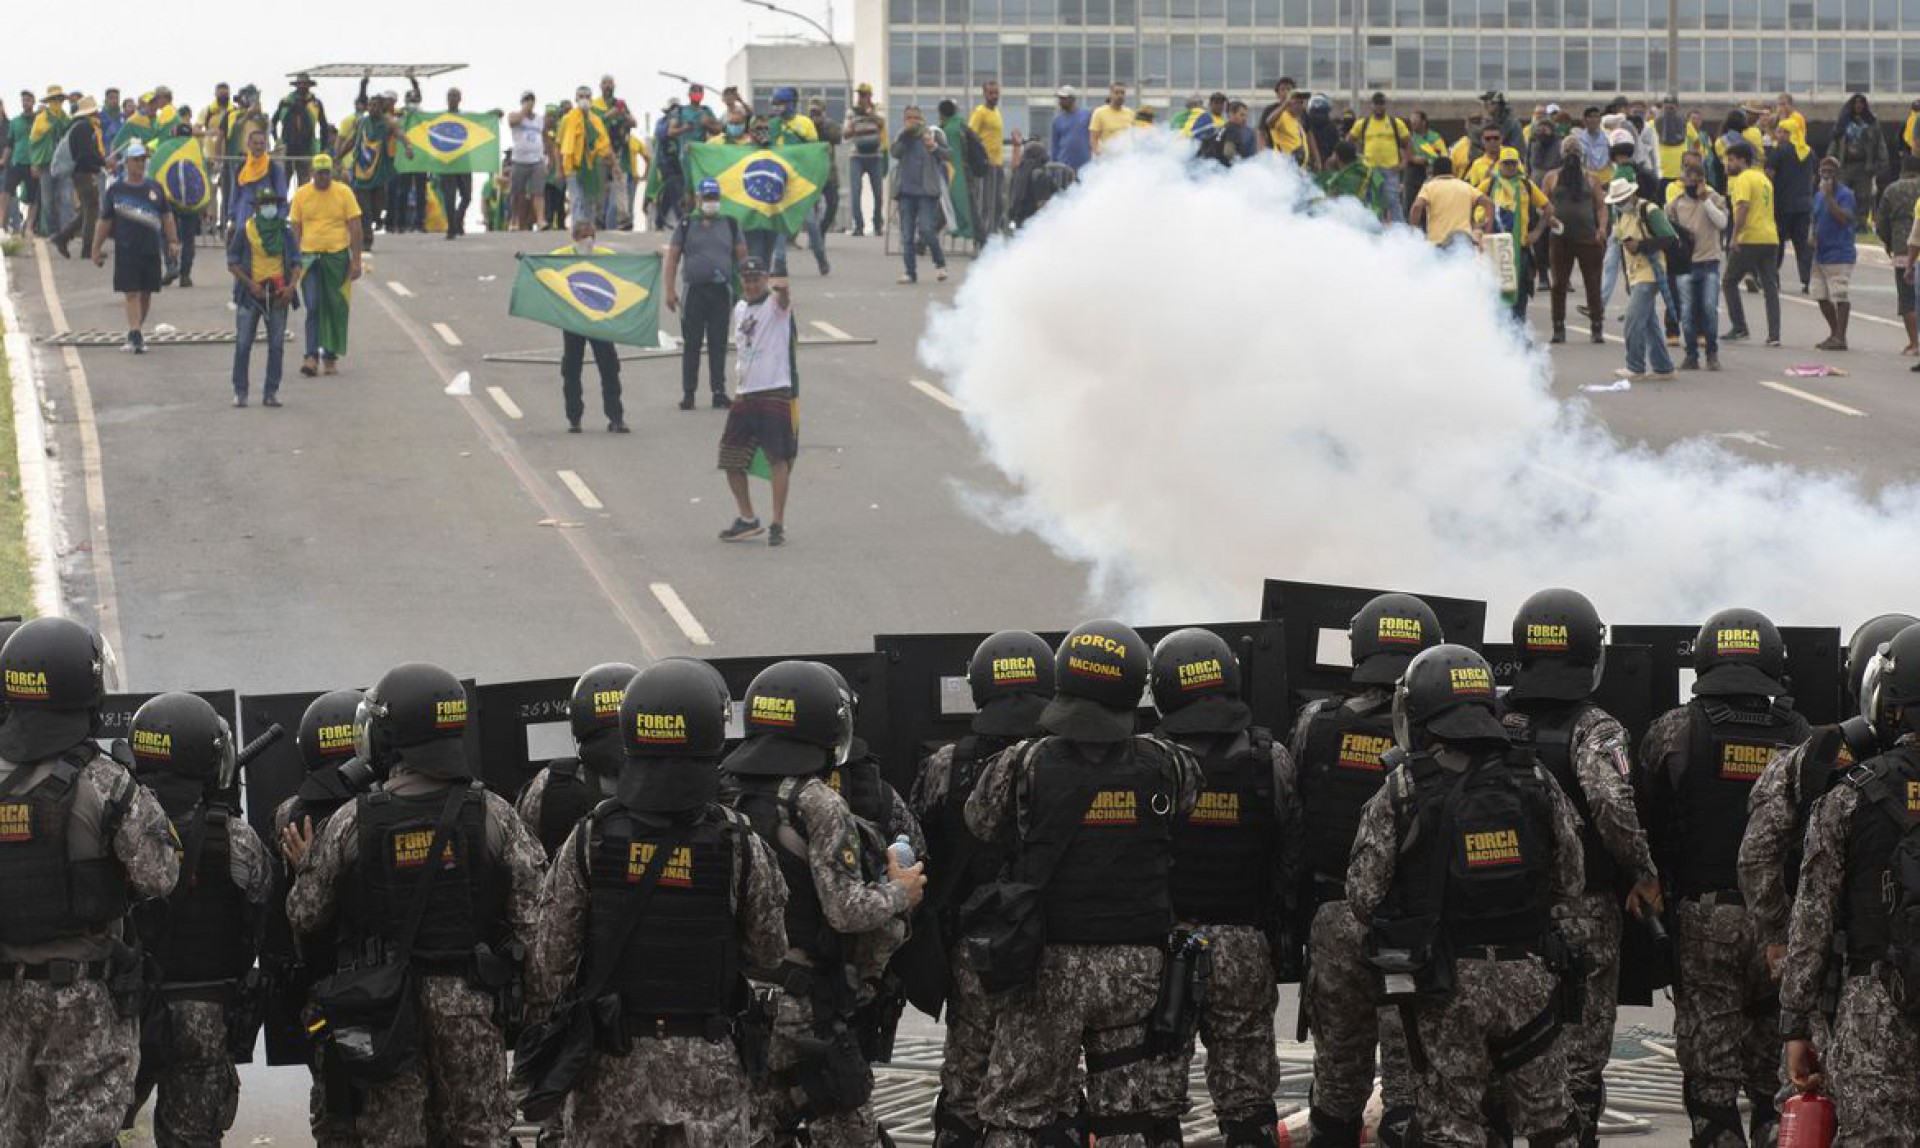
[(30, 441)]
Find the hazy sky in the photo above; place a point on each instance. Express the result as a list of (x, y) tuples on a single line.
[(507, 47)]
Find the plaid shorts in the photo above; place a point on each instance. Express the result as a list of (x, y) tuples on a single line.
[(760, 419)]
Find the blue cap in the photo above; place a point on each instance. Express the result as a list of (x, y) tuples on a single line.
[(709, 189), (785, 96)]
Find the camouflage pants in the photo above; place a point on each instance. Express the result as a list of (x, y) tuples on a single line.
[(459, 1090), (684, 1090), (1491, 1000), (1095, 997), (1343, 1004), (1594, 928), (780, 1106), (328, 1129), (67, 1064), (198, 1089), (1237, 1025), (1726, 1022), (1872, 1067), (971, 1016)]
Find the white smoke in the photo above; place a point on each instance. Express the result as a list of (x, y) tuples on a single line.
[(1196, 383)]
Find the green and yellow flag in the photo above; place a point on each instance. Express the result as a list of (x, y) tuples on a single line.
[(762, 188), (180, 168), (611, 297), (450, 143)]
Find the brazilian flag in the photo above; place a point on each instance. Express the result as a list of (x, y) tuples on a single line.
[(611, 297), (762, 188), (180, 168), (450, 143)]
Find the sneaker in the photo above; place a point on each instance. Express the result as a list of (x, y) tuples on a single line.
[(139, 342), (776, 535), (1628, 373), (1658, 377), (309, 367), (721, 402), (1690, 363), (60, 243), (239, 401), (1599, 336), (271, 401), (1773, 341), (741, 528), (186, 281), (1738, 334), (686, 402), (1673, 340), (941, 274), (1559, 335), (1713, 362), (908, 280), (330, 367), (617, 427), (573, 426), (857, 233), (826, 268)]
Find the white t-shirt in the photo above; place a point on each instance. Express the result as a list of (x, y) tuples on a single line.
[(763, 345), (528, 146)]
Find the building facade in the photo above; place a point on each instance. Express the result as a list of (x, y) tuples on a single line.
[(812, 69)]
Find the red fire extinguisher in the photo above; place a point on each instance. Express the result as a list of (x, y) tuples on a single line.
[(1806, 1121)]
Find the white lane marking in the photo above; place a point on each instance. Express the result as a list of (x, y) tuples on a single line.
[(1816, 400), (581, 490), (829, 330), (446, 334), (505, 402), (936, 394), (682, 617), (1856, 312), (399, 288)]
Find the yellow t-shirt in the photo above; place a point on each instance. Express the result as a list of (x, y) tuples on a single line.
[(1380, 138), (1754, 189), (322, 216), (1478, 171), (1752, 136), (1503, 194), (1107, 122), (1449, 207), (991, 127), (1286, 134)]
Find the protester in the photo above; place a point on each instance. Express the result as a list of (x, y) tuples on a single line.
[(618, 212), (1790, 166), (1036, 181), (866, 130), (1580, 207), (762, 415), (1071, 131), (264, 258), (1755, 248), (1424, 145), (921, 153), (1596, 148), (257, 172), (830, 134), (1893, 220), (1347, 176), (1384, 140), (573, 349), (56, 186), (988, 191), (86, 149), (300, 123), (139, 222), (456, 189), (586, 155), (1835, 220), (1860, 147), (21, 188), (1698, 210), (707, 252), (1522, 210), (528, 157), (1109, 120), (1446, 205), (328, 230), (1632, 231)]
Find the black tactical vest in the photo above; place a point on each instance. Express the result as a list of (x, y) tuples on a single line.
[(1223, 859), (683, 956), (860, 785), (1547, 730), (206, 927), (950, 882), (571, 794), (1825, 762), (771, 806), (1890, 782), (1485, 837), (1340, 772), (320, 795), (1110, 887), (467, 905), (44, 894), (1726, 751)]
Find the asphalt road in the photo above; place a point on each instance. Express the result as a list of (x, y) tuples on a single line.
[(377, 519)]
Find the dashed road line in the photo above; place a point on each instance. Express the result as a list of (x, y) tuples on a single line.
[(581, 490), (1816, 400), (399, 288), (446, 334), (936, 394), (829, 330), (505, 402), (682, 617)]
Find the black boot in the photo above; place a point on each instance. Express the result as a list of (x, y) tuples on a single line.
[(1324, 1130), (1559, 333), (1397, 1127), (1251, 1130), (1763, 1122), (1714, 1125), (1588, 1104)]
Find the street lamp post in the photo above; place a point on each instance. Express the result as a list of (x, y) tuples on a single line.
[(1673, 48), (846, 69)]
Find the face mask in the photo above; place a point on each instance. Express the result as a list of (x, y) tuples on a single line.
[(269, 211), (582, 104), (709, 208), (735, 130)]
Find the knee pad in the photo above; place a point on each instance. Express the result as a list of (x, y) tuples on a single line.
[(1324, 1130), (1399, 1127)]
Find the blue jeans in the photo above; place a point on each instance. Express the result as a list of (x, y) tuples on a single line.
[(1609, 273), (1700, 308), (920, 218), (1645, 344), (817, 234), (1390, 191), (866, 170), (247, 322), (56, 201), (578, 205), (770, 247)]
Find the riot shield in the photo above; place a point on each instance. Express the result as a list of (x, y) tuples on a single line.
[(1814, 654), (521, 726), (1316, 616), (1628, 689)]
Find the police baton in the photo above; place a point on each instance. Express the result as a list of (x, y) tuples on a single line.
[(258, 746)]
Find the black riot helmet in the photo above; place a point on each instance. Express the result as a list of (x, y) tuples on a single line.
[(1447, 695), (1891, 681), (1561, 644), (181, 735), (1739, 653), (1011, 677), (675, 708), (1100, 676), (53, 674), (1191, 664), (595, 704), (797, 722), (1386, 634), (7, 626), (326, 729), (1865, 644), (417, 712)]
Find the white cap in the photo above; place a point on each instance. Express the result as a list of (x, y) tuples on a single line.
[(135, 150), (1621, 190), (1553, 109), (1066, 92)]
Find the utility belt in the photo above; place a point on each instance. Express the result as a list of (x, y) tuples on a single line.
[(1494, 952), (830, 988), (499, 973), (647, 1027)]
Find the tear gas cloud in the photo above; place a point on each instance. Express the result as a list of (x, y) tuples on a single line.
[(1194, 383)]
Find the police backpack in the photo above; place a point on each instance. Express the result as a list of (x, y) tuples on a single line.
[(1902, 885)]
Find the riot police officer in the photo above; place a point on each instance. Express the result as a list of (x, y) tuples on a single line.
[(563, 792), (1860, 887), (334, 774), (1090, 814), (1236, 873), (1462, 862), (798, 726), (431, 867), (203, 936), (1010, 677), (1698, 764), (1561, 646), (1782, 800), (1337, 744), (858, 780), (80, 841), (662, 898)]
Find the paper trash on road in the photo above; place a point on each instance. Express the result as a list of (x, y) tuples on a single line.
[(1816, 371), (165, 329), (462, 384), (1613, 387)]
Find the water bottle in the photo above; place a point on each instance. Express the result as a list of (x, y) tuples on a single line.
[(902, 852)]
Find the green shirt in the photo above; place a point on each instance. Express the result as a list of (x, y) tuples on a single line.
[(18, 134)]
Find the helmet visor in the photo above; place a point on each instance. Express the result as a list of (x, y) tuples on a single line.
[(227, 766), (1870, 688), (1402, 721), (364, 715)]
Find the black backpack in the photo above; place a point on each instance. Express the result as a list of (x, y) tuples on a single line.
[(1902, 885), (973, 152)]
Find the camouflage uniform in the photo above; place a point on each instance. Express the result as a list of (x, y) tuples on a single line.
[(459, 1090), (1873, 1058), (532, 798), (329, 1129), (1491, 999), (67, 1058), (688, 1089), (1776, 825), (1091, 996)]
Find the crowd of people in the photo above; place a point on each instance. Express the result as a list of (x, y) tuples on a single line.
[(709, 940)]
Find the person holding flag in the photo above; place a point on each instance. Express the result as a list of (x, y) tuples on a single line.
[(763, 423), (327, 231), (180, 167), (264, 258), (138, 219), (586, 154), (301, 121), (573, 348)]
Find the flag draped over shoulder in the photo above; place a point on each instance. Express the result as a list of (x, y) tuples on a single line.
[(762, 188), (611, 297), (180, 168), (450, 143)]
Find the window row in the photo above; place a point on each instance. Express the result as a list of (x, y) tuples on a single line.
[(1708, 15)]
